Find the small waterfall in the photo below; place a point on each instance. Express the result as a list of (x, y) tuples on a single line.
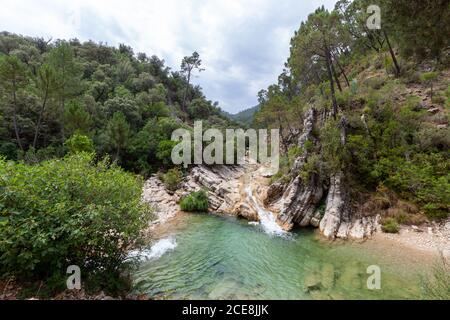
[(266, 218), (156, 251)]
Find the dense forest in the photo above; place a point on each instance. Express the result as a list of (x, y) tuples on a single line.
[(66, 94), (83, 123)]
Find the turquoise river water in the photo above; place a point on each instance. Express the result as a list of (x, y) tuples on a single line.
[(204, 256)]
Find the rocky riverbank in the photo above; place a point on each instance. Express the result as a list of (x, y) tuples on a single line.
[(227, 188)]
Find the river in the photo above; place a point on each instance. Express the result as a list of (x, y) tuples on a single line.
[(206, 256)]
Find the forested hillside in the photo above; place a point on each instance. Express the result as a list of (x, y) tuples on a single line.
[(244, 117), (61, 94), (380, 99)]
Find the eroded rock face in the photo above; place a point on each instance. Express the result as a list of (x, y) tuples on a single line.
[(299, 199), (337, 210), (339, 221), (164, 203), (297, 202), (224, 188)]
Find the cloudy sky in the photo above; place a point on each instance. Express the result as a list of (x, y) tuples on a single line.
[(243, 43)]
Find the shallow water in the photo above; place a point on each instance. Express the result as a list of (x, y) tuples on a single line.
[(215, 257)]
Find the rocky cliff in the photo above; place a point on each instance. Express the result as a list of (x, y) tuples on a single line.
[(297, 202), (294, 203)]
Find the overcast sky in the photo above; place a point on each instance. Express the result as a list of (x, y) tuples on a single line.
[(243, 44)]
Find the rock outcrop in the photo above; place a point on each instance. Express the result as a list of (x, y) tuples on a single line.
[(340, 220), (297, 202), (223, 184), (294, 203), (299, 199)]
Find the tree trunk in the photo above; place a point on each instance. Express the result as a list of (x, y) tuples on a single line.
[(117, 154), (41, 112), (336, 78), (283, 139), (391, 51), (63, 103), (16, 129), (183, 106), (330, 77), (342, 71)]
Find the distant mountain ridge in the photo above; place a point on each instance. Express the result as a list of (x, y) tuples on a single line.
[(244, 116)]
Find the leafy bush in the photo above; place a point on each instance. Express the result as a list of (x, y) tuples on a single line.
[(195, 202), (424, 179), (68, 212), (390, 225), (79, 143), (172, 179), (164, 151), (428, 78)]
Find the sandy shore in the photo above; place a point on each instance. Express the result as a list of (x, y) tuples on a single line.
[(428, 239)]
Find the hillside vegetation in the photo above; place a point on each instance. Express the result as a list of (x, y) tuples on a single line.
[(382, 97)]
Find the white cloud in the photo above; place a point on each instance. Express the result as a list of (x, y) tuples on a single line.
[(243, 43)]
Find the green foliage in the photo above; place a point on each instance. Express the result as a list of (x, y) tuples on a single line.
[(437, 285), (49, 92), (428, 77), (390, 225), (425, 179), (195, 202), (333, 152), (311, 167), (286, 163), (164, 152), (172, 179), (426, 34), (118, 133), (79, 143), (76, 119), (200, 109), (68, 212)]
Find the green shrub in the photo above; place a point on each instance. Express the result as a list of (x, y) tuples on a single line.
[(172, 179), (429, 78), (164, 152), (437, 285), (424, 179), (79, 143), (195, 202), (68, 212), (310, 168), (390, 225)]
